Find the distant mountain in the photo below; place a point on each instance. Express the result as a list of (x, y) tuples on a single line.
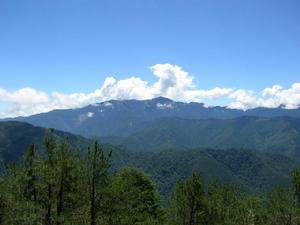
[(252, 170), (124, 117), (278, 134)]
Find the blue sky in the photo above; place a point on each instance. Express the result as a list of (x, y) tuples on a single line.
[(73, 46)]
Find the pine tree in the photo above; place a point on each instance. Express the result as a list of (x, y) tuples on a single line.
[(30, 179), (97, 165), (49, 170), (296, 185), (296, 192), (133, 199)]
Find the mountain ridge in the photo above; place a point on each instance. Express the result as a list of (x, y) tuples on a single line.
[(124, 117), (276, 134)]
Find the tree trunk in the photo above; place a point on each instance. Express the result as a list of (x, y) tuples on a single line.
[(60, 199), (192, 213), (92, 209), (49, 206)]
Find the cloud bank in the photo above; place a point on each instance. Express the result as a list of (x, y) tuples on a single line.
[(172, 82)]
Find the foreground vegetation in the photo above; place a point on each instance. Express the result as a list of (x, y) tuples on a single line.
[(63, 186)]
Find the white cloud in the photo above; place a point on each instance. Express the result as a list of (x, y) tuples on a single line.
[(269, 92), (243, 99), (272, 97), (277, 96), (198, 95), (130, 88), (172, 82), (24, 95)]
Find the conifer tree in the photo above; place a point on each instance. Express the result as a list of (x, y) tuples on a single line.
[(97, 165), (134, 199), (296, 185), (188, 202)]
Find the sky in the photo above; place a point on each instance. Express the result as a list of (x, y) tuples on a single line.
[(71, 53)]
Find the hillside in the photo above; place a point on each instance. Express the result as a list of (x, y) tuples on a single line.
[(280, 134), (252, 170), (15, 138)]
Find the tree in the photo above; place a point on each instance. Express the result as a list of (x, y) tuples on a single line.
[(60, 176), (188, 202), (97, 165), (134, 199), (48, 171), (2, 201), (30, 189), (278, 208), (223, 204), (296, 192), (67, 182), (20, 191), (296, 185)]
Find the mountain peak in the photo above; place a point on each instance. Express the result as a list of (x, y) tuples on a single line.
[(161, 99)]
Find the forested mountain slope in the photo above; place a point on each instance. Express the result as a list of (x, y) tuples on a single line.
[(15, 137), (252, 170), (279, 134)]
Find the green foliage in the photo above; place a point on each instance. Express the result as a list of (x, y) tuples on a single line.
[(97, 165), (133, 199), (63, 186), (187, 203), (223, 203), (279, 208), (227, 205), (296, 185)]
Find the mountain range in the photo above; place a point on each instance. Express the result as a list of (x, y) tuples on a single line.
[(125, 117), (160, 123), (256, 149)]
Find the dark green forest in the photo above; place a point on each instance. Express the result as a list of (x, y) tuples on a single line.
[(250, 169), (64, 185), (277, 134)]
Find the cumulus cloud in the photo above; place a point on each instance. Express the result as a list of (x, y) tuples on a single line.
[(172, 82), (275, 96), (130, 88), (243, 99)]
